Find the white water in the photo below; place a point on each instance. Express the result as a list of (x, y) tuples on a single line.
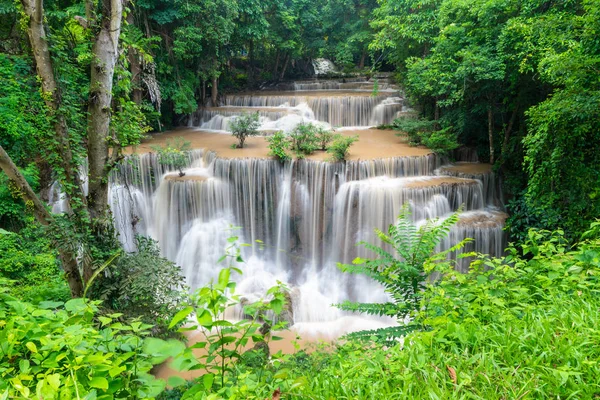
[(308, 214)]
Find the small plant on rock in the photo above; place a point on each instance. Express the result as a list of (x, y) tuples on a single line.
[(174, 154), (243, 126), (304, 139), (325, 136), (278, 146), (339, 148)]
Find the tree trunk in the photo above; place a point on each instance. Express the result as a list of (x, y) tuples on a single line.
[(39, 45), (135, 67), (491, 132), (42, 215), (251, 59), (276, 63), (214, 93), (203, 92), (105, 55), (361, 65), (285, 64)]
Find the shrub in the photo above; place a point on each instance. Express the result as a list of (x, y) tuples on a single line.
[(427, 133), (324, 137), (58, 351), (223, 340), (304, 139), (278, 146), (27, 263), (143, 285), (174, 154), (339, 148), (243, 126)]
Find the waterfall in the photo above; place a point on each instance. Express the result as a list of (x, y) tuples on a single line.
[(302, 216)]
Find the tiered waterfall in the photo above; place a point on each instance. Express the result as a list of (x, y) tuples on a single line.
[(300, 217)]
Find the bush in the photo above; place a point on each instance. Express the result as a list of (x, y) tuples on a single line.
[(324, 137), (278, 146), (339, 148), (427, 133), (243, 126), (304, 139), (58, 351), (174, 154), (28, 263), (143, 285)]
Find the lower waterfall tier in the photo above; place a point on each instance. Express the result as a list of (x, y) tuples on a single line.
[(299, 218)]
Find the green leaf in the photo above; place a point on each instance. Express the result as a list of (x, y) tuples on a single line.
[(53, 381), (180, 316), (99, 383), (207, 380), (276, 305), (224, 278), (204, 318), (175, 381), (31, 346)]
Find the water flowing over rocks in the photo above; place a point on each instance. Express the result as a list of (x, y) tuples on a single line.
[(302, 216)]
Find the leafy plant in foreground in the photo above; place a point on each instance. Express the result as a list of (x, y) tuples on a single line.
[(223, 340), (400, 270), (57, 350)]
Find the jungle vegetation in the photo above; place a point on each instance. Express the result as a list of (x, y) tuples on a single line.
[(81, 80)]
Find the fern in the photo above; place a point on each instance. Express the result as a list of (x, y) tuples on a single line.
[(387, 336), (402, 271)]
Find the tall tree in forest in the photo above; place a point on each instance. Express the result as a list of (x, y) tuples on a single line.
[(102, 24)]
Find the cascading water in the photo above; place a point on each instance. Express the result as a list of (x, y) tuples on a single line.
[(307, 214)]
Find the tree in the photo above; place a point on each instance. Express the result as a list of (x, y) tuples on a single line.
[(174, 154), (67, 149), (243, 126)]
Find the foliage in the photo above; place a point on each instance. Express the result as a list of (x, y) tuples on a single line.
[(12, 208), (223, 340), (427, 133), (339, 148), (400, 269), (57, 350), (244, 126), (143, 285), (304, 139), (28, 260), (509, 328), (174, 154), (516, 81), (324, 137), (278, 146)]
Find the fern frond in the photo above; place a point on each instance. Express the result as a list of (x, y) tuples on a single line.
[(379, 309), (387, 336)]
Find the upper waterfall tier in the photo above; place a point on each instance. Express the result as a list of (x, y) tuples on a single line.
[(337, 108)]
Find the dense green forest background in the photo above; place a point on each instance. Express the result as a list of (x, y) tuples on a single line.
[(518, 80)]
